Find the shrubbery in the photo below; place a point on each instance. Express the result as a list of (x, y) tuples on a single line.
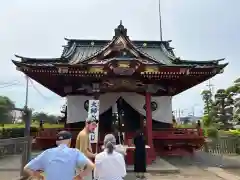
[(234, 132), (210, 132), (16, 132), (213, 132)]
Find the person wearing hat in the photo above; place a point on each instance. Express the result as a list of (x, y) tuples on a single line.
[(59, 163), (83, 142), (109, 164)]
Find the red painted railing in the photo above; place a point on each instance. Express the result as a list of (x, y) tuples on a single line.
[(176, 133), (166, 141)]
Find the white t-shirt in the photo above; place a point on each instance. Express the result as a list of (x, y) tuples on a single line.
[(109, 166)]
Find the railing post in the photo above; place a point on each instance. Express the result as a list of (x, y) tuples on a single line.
[(15, 148), (23, 160), (27, 145)]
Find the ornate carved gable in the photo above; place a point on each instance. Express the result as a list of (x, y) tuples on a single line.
[(120, 47)]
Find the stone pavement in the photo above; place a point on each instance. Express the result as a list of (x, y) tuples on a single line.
[(160, 166), (10, 163), (13, 163), (185, 174), (197, 167), (203, 159)]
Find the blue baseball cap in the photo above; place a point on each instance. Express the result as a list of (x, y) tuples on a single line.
[(64, 135)]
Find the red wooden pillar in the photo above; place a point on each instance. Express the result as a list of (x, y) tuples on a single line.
[(149, 126)]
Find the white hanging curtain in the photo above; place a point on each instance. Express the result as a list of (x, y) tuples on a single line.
[(163, 113), (108, 100), (76, 111), (75, 106)]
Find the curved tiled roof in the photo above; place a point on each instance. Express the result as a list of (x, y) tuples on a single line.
[(82, 50)]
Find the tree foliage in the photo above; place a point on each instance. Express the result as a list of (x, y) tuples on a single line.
[(236, 96), (222, 108), (208, 103), (6, 107), (44, 117)]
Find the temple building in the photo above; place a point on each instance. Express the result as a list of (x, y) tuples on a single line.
[(134, 81)]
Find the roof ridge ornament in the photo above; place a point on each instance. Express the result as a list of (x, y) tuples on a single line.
[(120, 30)]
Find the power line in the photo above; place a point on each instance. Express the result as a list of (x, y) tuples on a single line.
[(38, 91), (210, 86), (9, 85), (11, 82)]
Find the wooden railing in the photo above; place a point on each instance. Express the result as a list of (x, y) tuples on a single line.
[(16, 146), (178, 133), (222, 145), (160, 134), (12, 146)]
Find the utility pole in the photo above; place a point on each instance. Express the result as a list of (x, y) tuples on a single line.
[(26, 94), (210, 86), (27, 115), (160, 19), (179, 113)]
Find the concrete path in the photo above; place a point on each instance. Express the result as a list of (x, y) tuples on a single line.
[(13, 163), (160, 166), (189, 168), (223, 174), (10, 163)]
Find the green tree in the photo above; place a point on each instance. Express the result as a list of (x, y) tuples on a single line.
[(222, 109), (41, 116), (208, 103), (6, 107), (235, 93)]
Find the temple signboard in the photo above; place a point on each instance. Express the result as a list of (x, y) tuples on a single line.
[(93, 111)]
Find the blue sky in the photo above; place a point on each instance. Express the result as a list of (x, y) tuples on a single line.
[(199, 30)]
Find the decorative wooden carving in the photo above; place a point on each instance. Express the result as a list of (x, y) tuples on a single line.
[(123, 71), (63, 70), (123, 83), (122, 64), (98, 61), (151, 69), (96, 69)]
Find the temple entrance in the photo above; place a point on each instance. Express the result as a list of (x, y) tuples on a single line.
[(126, 119), (129, 117)]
